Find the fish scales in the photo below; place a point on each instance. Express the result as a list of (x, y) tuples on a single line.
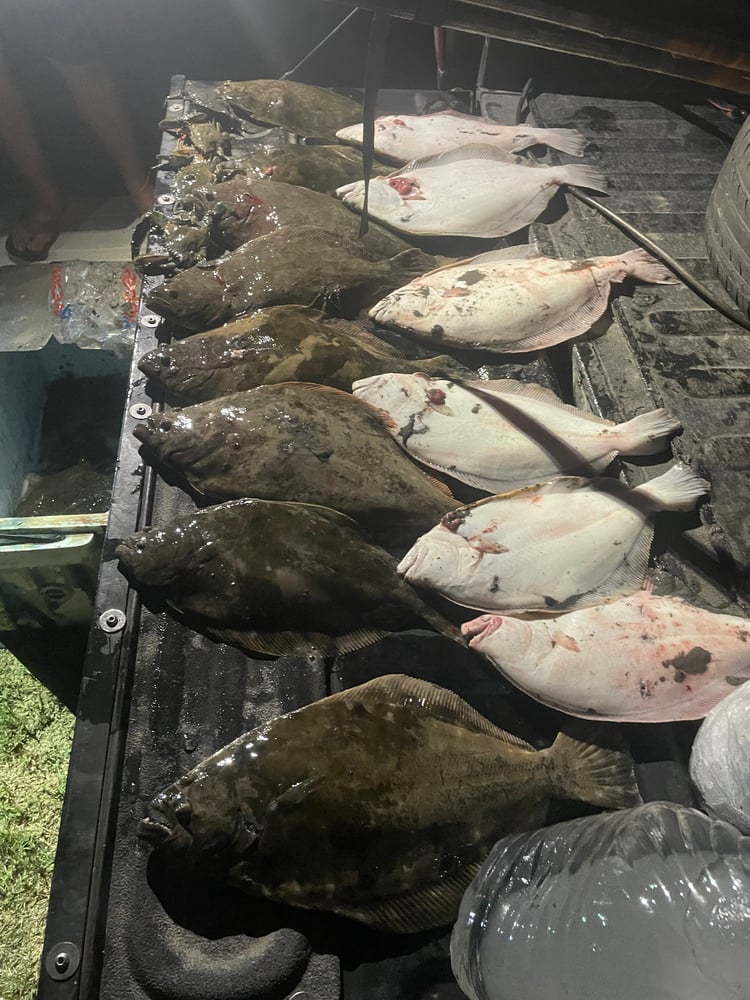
[(279, 344), (381, 844), (320, 168), (642, 658), (298, 442), (295, 264)]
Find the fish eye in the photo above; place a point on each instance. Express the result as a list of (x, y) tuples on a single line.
[(183, 814)]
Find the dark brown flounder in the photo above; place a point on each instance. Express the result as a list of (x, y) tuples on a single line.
[(320, 168), (378, 803), (299, 442), (243, 209), (305, 264), (298, 107), (279, 344), (276, 578)]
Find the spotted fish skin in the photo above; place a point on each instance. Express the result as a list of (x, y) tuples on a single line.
[(512, 300), (642, 658), (328, 807)]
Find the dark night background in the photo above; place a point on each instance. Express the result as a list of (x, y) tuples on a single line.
[(145, 43)]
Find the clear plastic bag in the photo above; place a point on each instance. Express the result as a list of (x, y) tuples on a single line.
[(91, 304), (651, 903), (720, 761), (94, 304)]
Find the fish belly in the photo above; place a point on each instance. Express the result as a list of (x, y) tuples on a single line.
[(635, 660)]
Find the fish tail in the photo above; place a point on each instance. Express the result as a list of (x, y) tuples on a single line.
[(646, 434), (641, 265), (582, 175), (443, 626), (677, 489), (567, 140), (592, 774), (412, 263)]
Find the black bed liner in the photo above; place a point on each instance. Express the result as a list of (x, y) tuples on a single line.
[(157, 697)]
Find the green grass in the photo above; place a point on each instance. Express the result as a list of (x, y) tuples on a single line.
[(36, 733)]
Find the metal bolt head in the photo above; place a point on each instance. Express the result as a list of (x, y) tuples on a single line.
[(175, 107), (140, 411), (150, 319), (62, 960), (111, 620), (165, 199)]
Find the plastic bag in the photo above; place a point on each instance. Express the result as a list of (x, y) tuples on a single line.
[(94, 304), (651, 902), (720, 761)]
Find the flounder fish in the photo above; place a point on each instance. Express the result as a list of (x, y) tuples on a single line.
[(567, 543), (320, 168), (720, 758), (411, 137), (328, 808), (278, 344), (513, 299), (298, 107), (471, 191), (500, 435), (642, 658), (244, 208), (652, 901), (304, 264), (298, 441), (276, 578)]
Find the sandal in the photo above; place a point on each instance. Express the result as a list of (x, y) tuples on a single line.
[(41, 229)]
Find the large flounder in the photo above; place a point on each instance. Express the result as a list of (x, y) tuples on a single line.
[(320, 168), (567, 543), (243, 209), (378, 803), (471, 191), (276, 578), (642, 658), (512, 300), (298, 107), (298, 442), (295, 264), (412, 137), (288, 343), (500, 435)]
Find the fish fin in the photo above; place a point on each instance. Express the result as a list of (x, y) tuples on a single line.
[(353, 331), (646, 434), (641, 265), (438, 484), (592, 774), (583, 175), (502, 388), (629, 576), (524, 251), (400, 689), (296, 643), (677, 489), (411, 912), (471, 151), (567, 140), (558, 484), (573, 325), (412, 263)]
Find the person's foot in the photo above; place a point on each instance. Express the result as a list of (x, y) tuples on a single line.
[(33, 236)]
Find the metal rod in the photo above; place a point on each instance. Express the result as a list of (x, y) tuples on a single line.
[(320, 44)]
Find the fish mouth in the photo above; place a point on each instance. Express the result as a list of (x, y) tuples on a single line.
[(156, 363), (412, 562), (481, 628), (155, 831)]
